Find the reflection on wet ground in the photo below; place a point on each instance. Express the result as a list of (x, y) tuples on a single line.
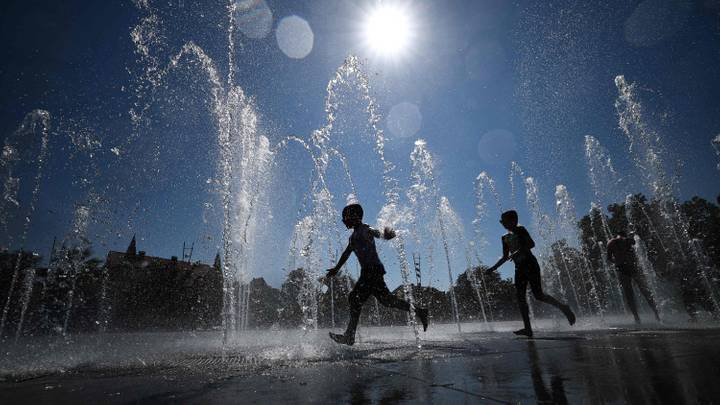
[(671, 366)]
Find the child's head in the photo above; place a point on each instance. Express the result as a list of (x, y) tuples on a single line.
[(509, 219), (352, 215)]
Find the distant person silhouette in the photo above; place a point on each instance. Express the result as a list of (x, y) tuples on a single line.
[(622, 254), (371, 282), (516, 245)]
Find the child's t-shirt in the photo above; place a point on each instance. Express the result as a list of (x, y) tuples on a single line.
[(518, 244), (362, 242)]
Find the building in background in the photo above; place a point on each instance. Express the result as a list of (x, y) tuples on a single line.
[(147, 292)]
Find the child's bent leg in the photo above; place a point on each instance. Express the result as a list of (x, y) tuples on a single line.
[(357, 297), (386, 298), (539, 294), (383, 294)]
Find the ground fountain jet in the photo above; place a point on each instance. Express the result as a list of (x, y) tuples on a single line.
[(600, 236), (649, 154), (304, 250), (604, 181), (567, 227), (76, 245), (36, 127), (515, 172), (632, 207), (244, 153), (706, 268), (423, 181), (456, 236), (484, 189), (239, 140)]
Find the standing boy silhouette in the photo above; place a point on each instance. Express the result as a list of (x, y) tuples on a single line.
[(371, 282), (516, 247), (622, 253)]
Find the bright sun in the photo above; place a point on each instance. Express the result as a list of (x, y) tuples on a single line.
[(388, 30)]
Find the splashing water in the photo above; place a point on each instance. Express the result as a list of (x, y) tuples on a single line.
[(605, 181), (716, 147), (457, 238), (545, 228), (36, 124), (484, 184), (515, 172), (567, 228), (649, 155), (645, 144), (426, 190)]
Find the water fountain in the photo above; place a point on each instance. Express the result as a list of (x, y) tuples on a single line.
[(484, 185), (632, 207), (544, 227), (246, 185), (245, 169), (604, 181), (244, 153), (567, 227), (716, 147), (324, 216), (515, 172), (35, 126), (456, 237), (423, 179), (649, 156)]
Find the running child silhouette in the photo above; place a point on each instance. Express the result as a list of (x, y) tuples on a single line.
[(371, 281), (516, 247)]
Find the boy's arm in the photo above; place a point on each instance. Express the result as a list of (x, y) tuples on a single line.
[(343, 258), (505, 257), (387, 233)]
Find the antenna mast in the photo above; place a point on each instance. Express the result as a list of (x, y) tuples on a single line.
[(187, 252)]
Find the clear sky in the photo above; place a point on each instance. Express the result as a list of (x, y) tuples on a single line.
[(483, 82)]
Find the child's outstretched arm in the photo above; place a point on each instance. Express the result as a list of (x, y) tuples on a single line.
[(387, 233), (505, 257), (343, 258)]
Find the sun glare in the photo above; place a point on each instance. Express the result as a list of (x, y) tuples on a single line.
[(388, 30)]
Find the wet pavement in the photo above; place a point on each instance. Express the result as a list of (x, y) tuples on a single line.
[(613, 365)]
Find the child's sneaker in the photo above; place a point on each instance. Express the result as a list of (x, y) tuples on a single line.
[(343, 339), (524, 332), (569, 314)]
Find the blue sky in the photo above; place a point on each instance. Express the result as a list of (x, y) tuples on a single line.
[(493, 81)]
